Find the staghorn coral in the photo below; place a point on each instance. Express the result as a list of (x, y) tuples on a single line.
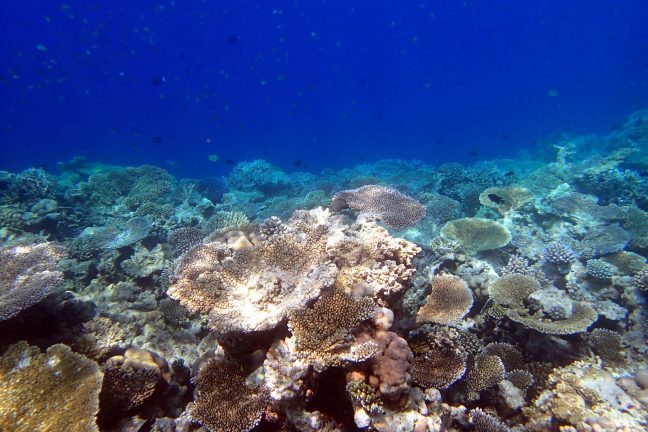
[(321, 332), (449, 300), (249, 287), (27, 276), (184, 238), (54, 391), (505, 199), (382, 202), (477, 235), (224, 402), (607, 345)]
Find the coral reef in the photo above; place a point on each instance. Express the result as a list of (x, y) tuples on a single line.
[(54, 391), (508, 295)]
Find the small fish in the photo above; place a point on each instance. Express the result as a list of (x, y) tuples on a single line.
[(156, 140), (233, 38), (506, 137), (552, 93), (297, 163), (229, 161), (474, 153), (213, 157), (495, 198), (158, 81)]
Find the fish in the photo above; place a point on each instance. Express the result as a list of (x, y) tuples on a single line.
[(213, 157), (156, 140)]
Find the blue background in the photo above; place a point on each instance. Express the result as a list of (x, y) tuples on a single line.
[(329, 83)]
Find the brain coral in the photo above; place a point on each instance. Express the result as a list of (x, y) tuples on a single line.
[(385, 203), (224, 401), (477, 234), (55, 391), (28, 273), (505, 199), (248, 287), (449, 300)]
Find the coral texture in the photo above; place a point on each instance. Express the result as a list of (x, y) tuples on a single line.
[(449, 300), (54, 391), (477, 234), (28, 274), (385, 203)]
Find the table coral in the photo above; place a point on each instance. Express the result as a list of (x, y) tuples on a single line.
[(477, 235), (449, 300), (54, 391), (385, 203), (28, 274)]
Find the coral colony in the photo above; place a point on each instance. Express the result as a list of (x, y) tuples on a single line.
[(392, 297)]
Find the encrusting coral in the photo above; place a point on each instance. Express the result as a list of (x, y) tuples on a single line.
[(28, 274), (53, 391)]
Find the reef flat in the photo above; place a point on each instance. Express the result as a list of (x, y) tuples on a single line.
[(509, 295)]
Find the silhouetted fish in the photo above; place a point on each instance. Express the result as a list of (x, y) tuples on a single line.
[(157, 81), (474, 153), (297, 163), (229, 161), (156, 140), (506, 137)]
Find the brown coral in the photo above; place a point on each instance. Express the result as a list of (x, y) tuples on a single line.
[(484, 422), (607, 345), (391, 365), (449, 300), (438, 367), (513, 289), (54, 391), (28, 273), (510, 355), (224, 402), (130, 381), (477, 235), (486, 371), (382, 202), (321, 331)]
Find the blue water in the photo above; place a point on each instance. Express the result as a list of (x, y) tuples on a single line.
[(311, 84)]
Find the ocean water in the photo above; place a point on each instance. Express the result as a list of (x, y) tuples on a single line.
[(329, 83), (323, 216)]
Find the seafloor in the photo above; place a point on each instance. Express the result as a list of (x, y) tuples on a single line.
[(393, 296)]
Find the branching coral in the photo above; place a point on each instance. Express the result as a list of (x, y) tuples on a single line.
[(321, 332), (55, 391), (129, 381), (484, 422), (449, 300), (224, 402), (28, 274), (607, 345), (385, 203), (477, 235), (584, 397), (486, 371)]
